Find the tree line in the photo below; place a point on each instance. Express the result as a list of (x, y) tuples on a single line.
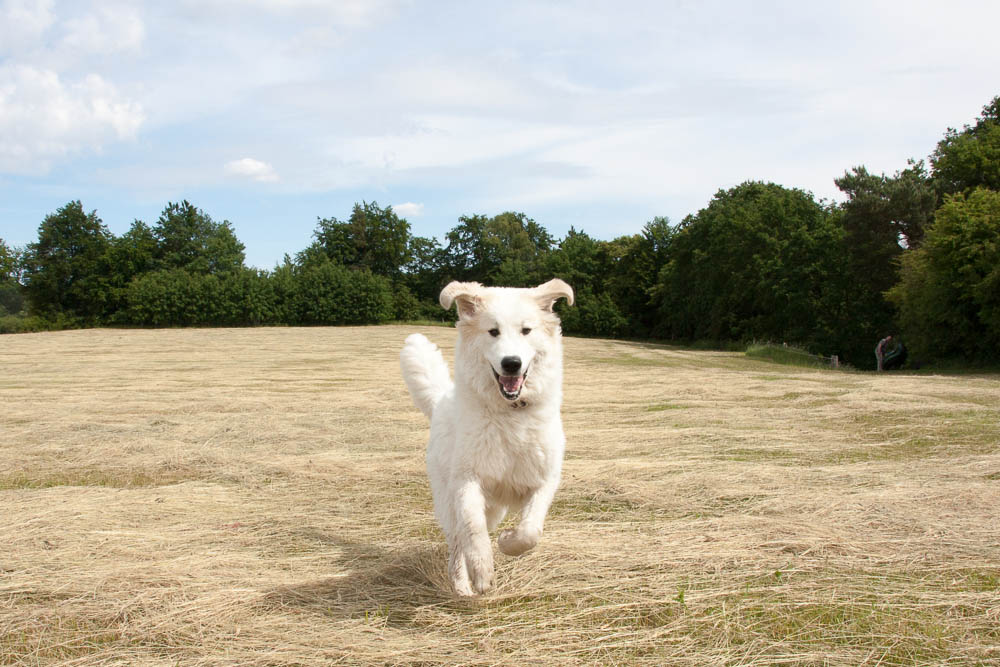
[(916, 254)]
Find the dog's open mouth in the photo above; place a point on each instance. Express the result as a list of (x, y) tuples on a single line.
[(510, 385)]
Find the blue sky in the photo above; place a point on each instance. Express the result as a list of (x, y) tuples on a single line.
[(598, 115)]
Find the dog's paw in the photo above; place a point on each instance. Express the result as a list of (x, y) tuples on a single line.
[(463, 589), (471, 573), (480, 571), (515, 542)]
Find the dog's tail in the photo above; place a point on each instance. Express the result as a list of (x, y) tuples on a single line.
[(424, 371)]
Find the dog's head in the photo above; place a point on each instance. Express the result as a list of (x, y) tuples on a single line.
[(512, 331)]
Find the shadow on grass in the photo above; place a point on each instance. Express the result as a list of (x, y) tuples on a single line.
[(383, 586)]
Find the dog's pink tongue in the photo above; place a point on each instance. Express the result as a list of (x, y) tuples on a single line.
[(511, 384)]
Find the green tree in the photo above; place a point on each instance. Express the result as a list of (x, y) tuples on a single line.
[(8, 262), (507, 249), (65, 270), (580, 260), (757, 263), (949, 292), (881, 217), (637, 267), (423, 278), (187, 238), (887, 213), (469, 256), (130, 255), (11, 293), (586, 264), (282, 282), (373, 238), (969, 159)]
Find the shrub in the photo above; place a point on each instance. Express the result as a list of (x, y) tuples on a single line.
[(593, 315), (33, 323), (177, 298), (328, 293), (405, 306)]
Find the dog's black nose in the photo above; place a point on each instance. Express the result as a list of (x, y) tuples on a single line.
[(510, 365)]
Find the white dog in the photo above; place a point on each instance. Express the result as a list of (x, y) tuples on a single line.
[(496, 434)]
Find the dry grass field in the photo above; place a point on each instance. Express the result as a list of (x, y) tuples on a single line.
[(257, 497)]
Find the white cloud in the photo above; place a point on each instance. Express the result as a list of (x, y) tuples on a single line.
[(106, 31), (22, 23), (44, 119), (252, 169), (52, 105), (41, 33), (408, 209), (351, 13)]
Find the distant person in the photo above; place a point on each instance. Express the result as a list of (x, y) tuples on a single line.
[(881, 349)]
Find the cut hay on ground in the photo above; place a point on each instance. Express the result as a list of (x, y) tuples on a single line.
[(257, 496)]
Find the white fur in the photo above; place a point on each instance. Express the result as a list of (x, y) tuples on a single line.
[(488, 452)]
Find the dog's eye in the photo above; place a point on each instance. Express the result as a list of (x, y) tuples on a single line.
[(525, 331), (494, 332)]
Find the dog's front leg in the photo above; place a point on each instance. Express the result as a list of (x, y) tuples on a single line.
[(471, 560), (516, 541)]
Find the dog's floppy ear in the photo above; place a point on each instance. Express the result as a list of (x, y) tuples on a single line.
[(466, 294), (550, 292)]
